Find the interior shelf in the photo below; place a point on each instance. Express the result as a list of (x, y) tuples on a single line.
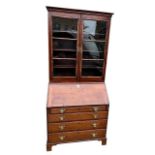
[(64, 58), (67, 50), (93, 59), (91, 66), (60, 38), (91, 51), (87, 40), (64, 66), (62, 31), (86, 33)]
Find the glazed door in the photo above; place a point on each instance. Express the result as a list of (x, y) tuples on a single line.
[(94, 46), (77, 46), (64, 34)]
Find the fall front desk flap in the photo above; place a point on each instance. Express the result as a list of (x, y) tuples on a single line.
[(75, 94)]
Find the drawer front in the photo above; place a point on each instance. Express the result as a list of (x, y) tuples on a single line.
[(77, 109), (77, 116), (76, 136), (77, 125)]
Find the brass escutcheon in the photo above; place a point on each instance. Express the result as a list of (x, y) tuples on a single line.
[(61, 127), (95, 109), (93, 135), (62, 110), (61, 138), (94, 125), (61, 118), (95, 116)]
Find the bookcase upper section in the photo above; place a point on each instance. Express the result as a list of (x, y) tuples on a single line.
[(78, 44)]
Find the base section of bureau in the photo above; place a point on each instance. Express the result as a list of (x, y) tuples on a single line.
[(50, 145), (78, 123)]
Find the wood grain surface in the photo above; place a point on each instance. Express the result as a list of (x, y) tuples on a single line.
[(76, 94)]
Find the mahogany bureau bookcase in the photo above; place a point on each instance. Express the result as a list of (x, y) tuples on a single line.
[(77, 101)]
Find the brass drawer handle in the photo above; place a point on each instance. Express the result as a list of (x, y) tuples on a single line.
[(95, 109), (61, 118), (62, 110), (61, 127), (94, 125), (61, 138), (95, 116), (94, 135)]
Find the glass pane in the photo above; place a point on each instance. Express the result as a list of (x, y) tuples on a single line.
[(67, 27), (93, 47), (96, 47), (92, 67), (94, 29), (64, 72), (92, 54), (92, 63), (64, 54), (63, 63), (64, 46), (92, 71)]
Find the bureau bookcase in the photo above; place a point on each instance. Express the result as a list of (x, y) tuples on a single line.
[(77, 103)]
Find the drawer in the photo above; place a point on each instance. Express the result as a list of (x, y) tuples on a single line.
[(76, 136), (78, 109), (77, 125), (77, 116)]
